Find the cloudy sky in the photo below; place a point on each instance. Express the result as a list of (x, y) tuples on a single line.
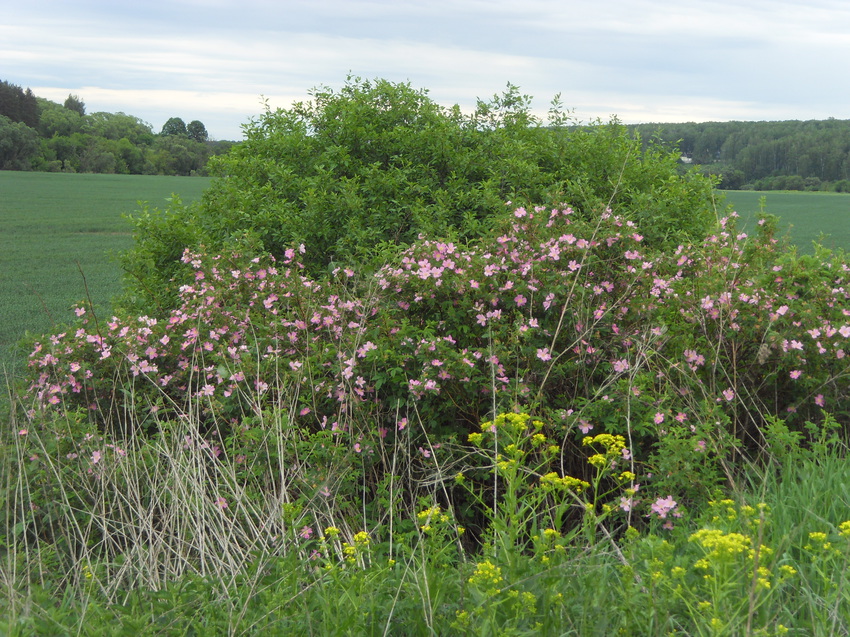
[(642, 60)]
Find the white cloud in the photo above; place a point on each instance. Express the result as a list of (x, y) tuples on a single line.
[(644, 60)]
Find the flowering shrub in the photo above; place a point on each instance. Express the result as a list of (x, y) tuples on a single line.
[(684, 353)]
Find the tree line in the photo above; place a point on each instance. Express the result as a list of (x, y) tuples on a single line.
[(785, 155), (38, 134)]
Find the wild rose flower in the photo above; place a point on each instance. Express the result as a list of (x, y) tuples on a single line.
[(621, 366), (662, 506)]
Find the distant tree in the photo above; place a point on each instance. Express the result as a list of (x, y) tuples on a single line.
[(18, 145), (119, 126), (197, 131), (174, 126), (18, 105), (55, 120), (74, 103)]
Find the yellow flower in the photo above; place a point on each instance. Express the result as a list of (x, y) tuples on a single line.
[(551, 534), (361, 538)]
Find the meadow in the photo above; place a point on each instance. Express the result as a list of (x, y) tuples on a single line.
[(59, 231)]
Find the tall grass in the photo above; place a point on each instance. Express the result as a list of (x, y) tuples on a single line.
[(158, 538)]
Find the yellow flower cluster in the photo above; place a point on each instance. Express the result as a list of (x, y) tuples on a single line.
[(432, 515), (553, 481), (488, 577), (613, 445), (353, 551), (721, 547), (510, 422)]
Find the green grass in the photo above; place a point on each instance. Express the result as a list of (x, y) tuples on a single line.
[(58, 233), (805, 215)]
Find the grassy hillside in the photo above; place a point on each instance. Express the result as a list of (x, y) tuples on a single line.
[(58, 232)]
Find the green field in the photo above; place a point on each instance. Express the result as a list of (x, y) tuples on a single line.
[(58, 227), (805, 215)]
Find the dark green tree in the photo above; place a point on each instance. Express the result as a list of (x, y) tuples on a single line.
[(18, 105), (74, 103), (174, 126), (197, 131)]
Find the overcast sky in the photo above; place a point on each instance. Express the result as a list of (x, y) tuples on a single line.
[(642, 60)]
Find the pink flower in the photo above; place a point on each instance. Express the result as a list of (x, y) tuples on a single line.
[(795, 374), (728, 394), (584, 426), (23, 432), (306, 532), (659, 418), (621, 366), (662, 506), (819, 401), (543, 354), (95, 457), (221, 503)]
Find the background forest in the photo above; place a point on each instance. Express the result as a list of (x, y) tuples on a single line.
[(37, 134), (790, 155)]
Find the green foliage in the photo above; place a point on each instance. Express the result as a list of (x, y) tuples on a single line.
[(18, 105), (500, 427), (352, 173), (18, 145)]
